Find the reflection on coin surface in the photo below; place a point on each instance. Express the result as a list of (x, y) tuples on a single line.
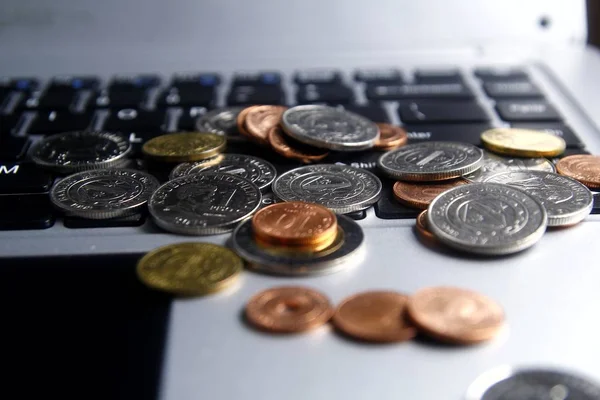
[(80, 151), (260, 172), (455, 315), (189, 268), (375, 316), (261, 119), (566, 200), (291, 148), (390, 137), (523, 142), (487, 218), (204, 204), (221, 121), (585, 168), (288, 309), (103, 193), (431, 161), (338, 187), (420, 195), (182, 147), (330, 128), (494, 164)]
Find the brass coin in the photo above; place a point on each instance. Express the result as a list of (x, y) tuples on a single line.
[(390, 137), (189, 268), (182, 147), (420, 195), (291, 148), (422, 227), (375, 316), (455, 315), (288, 309), (523, 142), (582, 167), (302, 250), (260, 119)]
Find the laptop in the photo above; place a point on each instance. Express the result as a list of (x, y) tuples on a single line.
[(83, 326)]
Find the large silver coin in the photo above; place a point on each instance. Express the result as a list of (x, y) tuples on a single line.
[(494, 164), (221, 121), (103, 193), (330, 128), (431, 161), (341, 188), (282, 262), (567, 201), (506, 383), (257, 170), (204, 204), (81, 150), (487, 218)]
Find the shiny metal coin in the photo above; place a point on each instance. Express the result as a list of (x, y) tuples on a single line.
[(341, 188), (221, 121), (330, 128), (260, 172), (567, 201), (493, 164), (487, 218), (81, 150), (275, 260), (103, 193), (431, 161), (204, 204)]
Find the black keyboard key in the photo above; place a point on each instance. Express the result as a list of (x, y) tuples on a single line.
[(126, 83), (445, 91), (8, 123), (187, 119), (82, 223), (48, 123), (357, 215), (441, 112), (557, 129), (130, 120), (21, 84), (13, 148), (267, 78), (527, 111), (28, 211), (328, 94), (389, 208), (318, 77), (596, 206), (374, 112), (74, 83), (205, 80), (438, 76), (364, 159), (4, 93), (57, 99), (468, 133), (137, 140), (122, 98), (383, 76), (23, 178), (501, 74), (187, 96), (248, 95), (512, 90)]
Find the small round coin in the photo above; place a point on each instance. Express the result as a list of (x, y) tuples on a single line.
[(241, 121), (523, 142), (582, 167), (189, 268), (221, 121), (431, 161), (494, 164), (103, 193), (390, 137), (422, 228), (261, 119), (420, 195), (375, 317), (291, 148), (288, 310), (455, 315), (184, 147)]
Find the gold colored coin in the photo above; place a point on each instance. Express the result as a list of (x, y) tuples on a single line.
[(189, 268), (523, 142), (184, 147)]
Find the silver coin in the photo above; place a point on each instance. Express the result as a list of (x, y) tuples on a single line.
[(204, 204), (288, 263), (103, 193), (506, 383), (487, 218), (221, 121), (257, 170), (330, 128), (431, 161), (341, 188), (81, 150), (494, 164), (567, 201)]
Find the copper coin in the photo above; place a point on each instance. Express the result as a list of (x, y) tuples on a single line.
[(288, 309), (455, 315), (291, 148), (585, 168), (420, 195), (241, 121), (260, 119), (375, 317), (422, 228), (390, 137)]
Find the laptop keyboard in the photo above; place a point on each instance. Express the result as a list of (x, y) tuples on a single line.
[(430, 104)]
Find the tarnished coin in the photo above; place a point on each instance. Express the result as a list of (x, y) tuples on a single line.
[(375, 316), (487, 218), (338, 187), (523, 142), (204, 204), (184, 147), (585, 168), (420, 195), (261, 119), (81, 150), (567, 201), (189, 268), (493, 164), (103, 193), (422, 228), (260, 172), (291, 148), (288, 309), (455, 315), (330, 128), (508, 383), (390, 137), (221, 121), (431, 161)]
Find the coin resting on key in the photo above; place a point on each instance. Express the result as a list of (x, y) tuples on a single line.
[(523, 142), (585, 168), (421, 194), (221, 121), (390, 137), (495, 164), (184, 147), (259, 120), (291, 148)]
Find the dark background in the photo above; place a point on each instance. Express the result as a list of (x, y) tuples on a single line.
[(594, 22)]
